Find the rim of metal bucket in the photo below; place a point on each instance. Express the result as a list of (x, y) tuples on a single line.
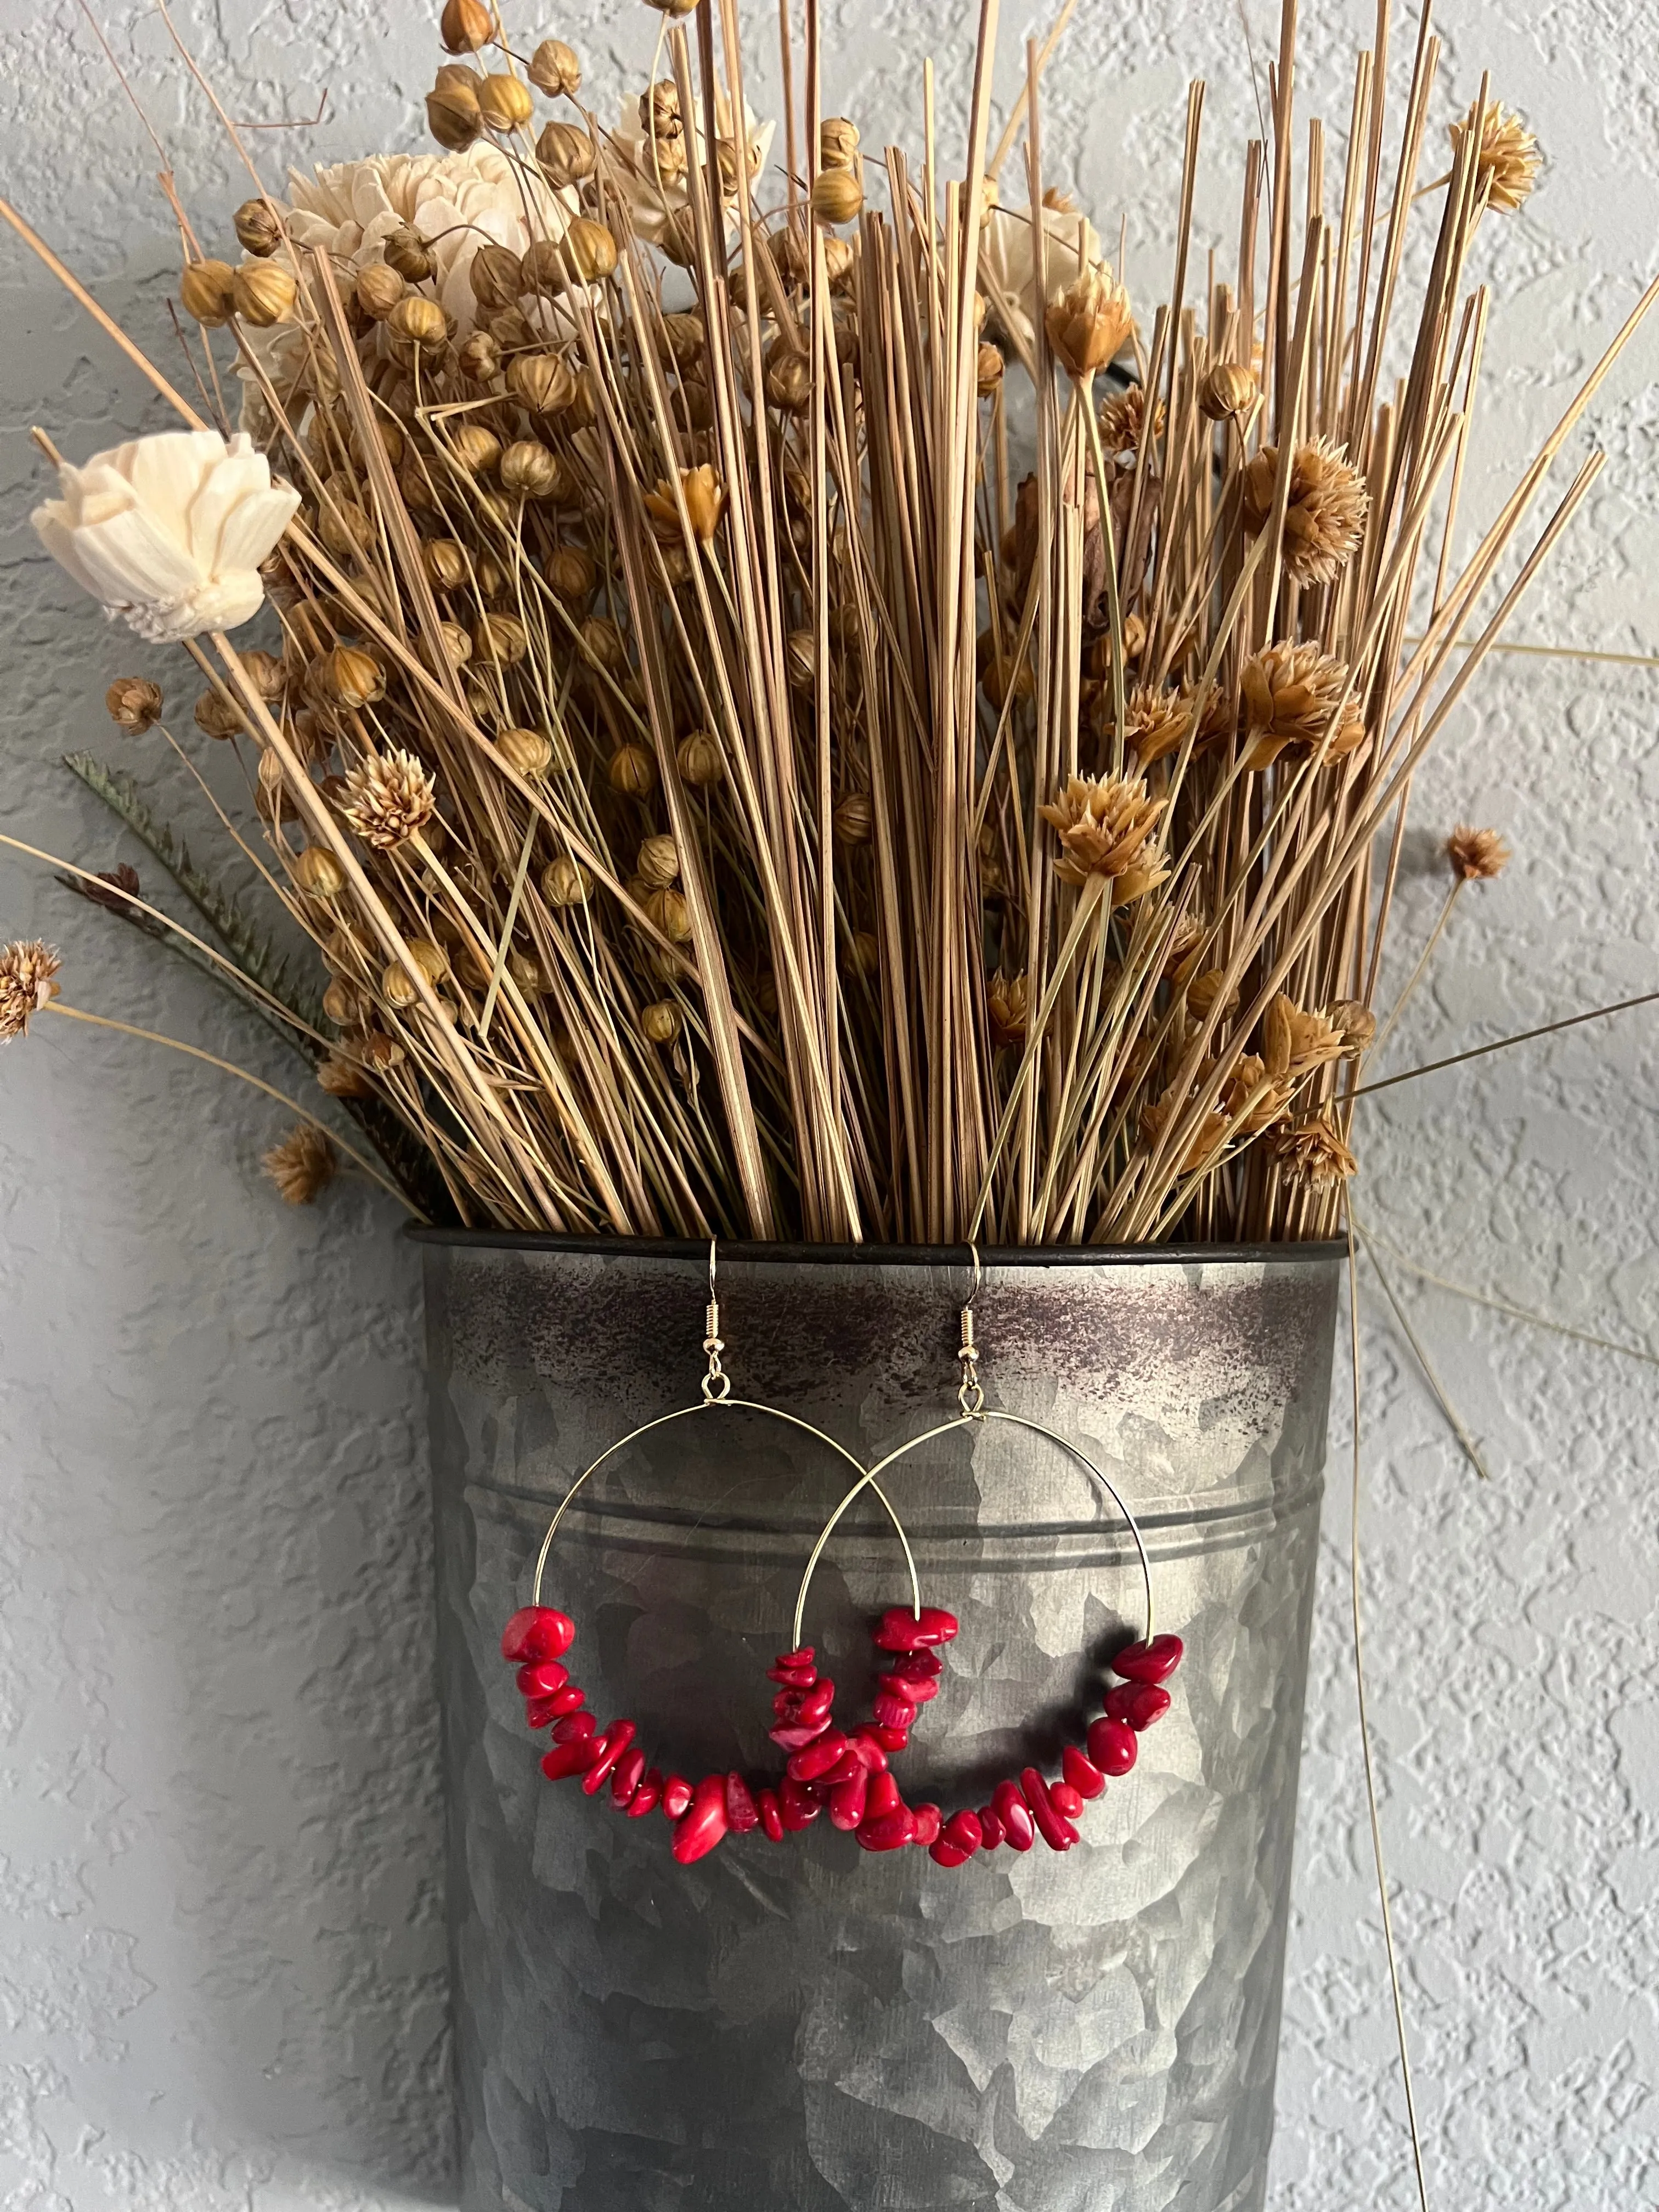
[(745, 1254)]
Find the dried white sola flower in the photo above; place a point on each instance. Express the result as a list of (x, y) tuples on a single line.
[(390, 796), (168, 531)]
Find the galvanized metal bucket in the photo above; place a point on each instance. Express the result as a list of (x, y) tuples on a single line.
[(805, 2028)]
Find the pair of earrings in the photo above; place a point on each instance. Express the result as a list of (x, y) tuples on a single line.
[(845, 1770)]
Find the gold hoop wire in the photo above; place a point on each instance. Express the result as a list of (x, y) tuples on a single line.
[(868, 1480)]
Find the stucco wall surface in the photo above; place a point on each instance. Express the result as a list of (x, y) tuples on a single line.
[(220, 1942)]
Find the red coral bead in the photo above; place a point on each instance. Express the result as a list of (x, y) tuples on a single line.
[(1141, 1703), (915, 1690), (803, 1657), (537, 1632), (964, 1832), (866, 1744), (884, 1797), (571, 1728), (543, 1679), (1112, 1746), (646, 1798), (797, 1805), (1149, 1662), (917, 1667), (946, 1855), (796, 1737), (990, 1828), (891, 1709), (793, 1678), (1055, 1829), (566, 1758), (539, 1710), (676, 1795), (571, 1699), (703, 1823), (817, 1701), (889, 1739), (629, 1775), (929, 1819), (891, 1832), (1018, 1829), (818, 1758), (771, 1815), (901, 1630), (1083, 1775), (742, 1814), (848, 1798), (614, 1740), (1066, 1801)]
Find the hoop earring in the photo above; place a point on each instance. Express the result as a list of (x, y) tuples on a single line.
[(537, 1638), (1019, 1810)]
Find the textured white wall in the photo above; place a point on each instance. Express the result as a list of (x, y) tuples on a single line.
[(221, 1949)]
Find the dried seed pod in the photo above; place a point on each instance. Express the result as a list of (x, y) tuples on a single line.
[(836, 196), (457, 645), (345, 527), (591, 249), (632, 771), (474, 449), (500, 639), (789, 381), (526, 974), (453, 115), (342, 1079), (602, 642), (566, 154), (544, 383), (388, 436), (512, 332), (405, 251), (417, 329), (265, 294), (1228, 392), (659, 862), (566, 882), (700, 760), (342, 1002), (398, 987), (838, 143), (866, 955), (496, 278), (480, 358), (988, 368), (206, 292), (800, 660), (379, 1052), (685, 337), (530, 471), (347, 677), (318, 873), (431, 959), (659, 1023), (672, 9), (853, 821), (445, 564), (668, 909), (133, 704), (465, 26), (215, 716), (379, 288), (525, 751), (267, 674), (555, 69), (571, 574), (258, 228), (505, 103)]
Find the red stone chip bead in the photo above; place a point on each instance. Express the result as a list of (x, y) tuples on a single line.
[(570, 1727), (537, 1632), (771, 1815), (1018, 1829), (818, 1758), (542, 1680), (990, 1828), (888, 1823), (899, 1628), (539, 1712), (849, 1795), (646, 1798), (889, 1739), (957, 1840), (612, 1744), (1112, 1746), (892, 1707), (676, 1795), (929, 1820), (1066, 1801), (571, 1699), (742, 1814), (566, 1758), (627, 1776), (797, 1805), (1141, 1703), (704, 1821), (866, 1746), (1149, 1662), (1081, 1774), (1055, 1829)]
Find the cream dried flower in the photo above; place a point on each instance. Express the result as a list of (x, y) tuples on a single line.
[(1252, 1099), (1106, 825), (1508, 160), (1289, 693), (1295, 1042), (1206, 1140), (168, 531), (1313, 1155), (1123, 420), (1007, 1003), (1324, 513), (303, 1164), (1007, 258), (1477, 854), (1155, 720), (1089, 322), (389, 796), (29, 972)]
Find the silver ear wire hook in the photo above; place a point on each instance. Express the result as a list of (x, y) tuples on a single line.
[(970, 1397), (716, 1383)]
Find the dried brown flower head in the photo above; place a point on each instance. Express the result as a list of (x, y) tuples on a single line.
[(1212, 1133), (1324, 514), (1477, 854), (343, 1077), (1123, 420), (1295, 1042), (115, 890), (1289, 694), (390, 796), (1251, 1099), (705, 503), (28, 969), (1008, 1004), (303, 1164), (1313, 1155), (1106, 826), (134, 704), (1357, 1023), (1155, 720), (1090, 321), (1508, 160)]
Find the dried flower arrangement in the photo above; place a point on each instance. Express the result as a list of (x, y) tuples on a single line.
[(774, 731)]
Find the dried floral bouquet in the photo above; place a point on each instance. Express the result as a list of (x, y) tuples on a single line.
[(797, 714)]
